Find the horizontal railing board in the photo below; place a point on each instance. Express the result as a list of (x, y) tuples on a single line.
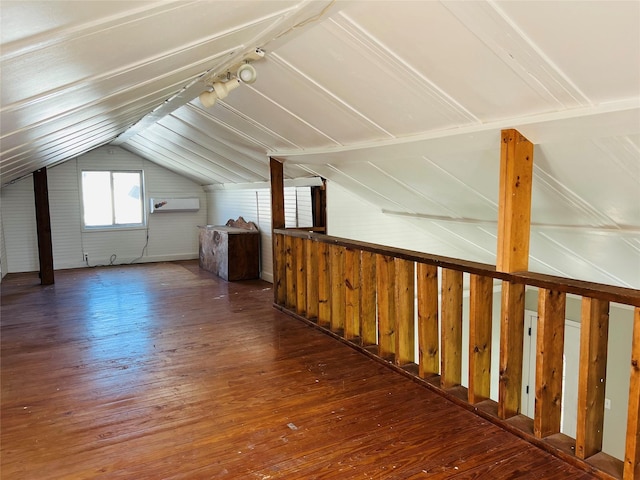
[(611, 293)]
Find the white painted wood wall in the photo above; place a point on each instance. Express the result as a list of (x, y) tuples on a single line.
[(254, 205), (172, 236)]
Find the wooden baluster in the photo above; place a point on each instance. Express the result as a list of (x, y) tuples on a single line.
[(386, 307), (352, 294), (324, 286), (451, 370), (301, 275), (592, 376), (280, 270), (428, 338), (290, 262), (480, 321), (511, 340), (368, 326), (312, 279), (632, 449), (338, 303), (549, 353), (404, 311)]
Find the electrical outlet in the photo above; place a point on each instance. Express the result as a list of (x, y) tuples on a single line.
[(85, 256), (607, 403)]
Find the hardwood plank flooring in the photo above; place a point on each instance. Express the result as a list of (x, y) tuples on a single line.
[(163, 371)]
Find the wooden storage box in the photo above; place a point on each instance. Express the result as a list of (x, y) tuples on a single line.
[(230, 252)]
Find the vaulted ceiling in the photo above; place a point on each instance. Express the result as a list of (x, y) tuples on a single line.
[(401, 102)]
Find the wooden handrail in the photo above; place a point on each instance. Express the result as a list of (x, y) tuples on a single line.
[(601, 291), (365, 294)]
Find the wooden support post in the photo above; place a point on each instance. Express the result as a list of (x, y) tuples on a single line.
[(428, 327), (352, 294), (511, 347), (480, 321), (404, 311), (279, 270), (290, 272), (43, 226), (514, 220), (386, 307), (311, 252), (592, 375), (549, 352), (277, 221), (319, 205), (632, 449), (451, 370), (514, 210), (324, 285), (368, 326), (299, 245), (338, 302)]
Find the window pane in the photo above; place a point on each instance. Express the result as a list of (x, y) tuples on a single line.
[(96, 198), (127, 198)]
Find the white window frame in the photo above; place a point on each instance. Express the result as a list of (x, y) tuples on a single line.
[(113, 225)]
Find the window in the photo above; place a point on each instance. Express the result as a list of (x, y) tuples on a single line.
[(112, 199)]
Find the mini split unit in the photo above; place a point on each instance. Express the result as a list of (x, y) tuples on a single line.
[(158, 205)]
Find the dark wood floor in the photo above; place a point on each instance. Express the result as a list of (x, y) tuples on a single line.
[(163, 371)]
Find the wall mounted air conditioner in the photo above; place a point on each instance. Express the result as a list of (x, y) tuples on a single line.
[(174, 205)]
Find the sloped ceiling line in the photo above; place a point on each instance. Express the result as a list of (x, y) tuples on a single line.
[(249, 159), (622, 152), (463, 184), (495, 29), (214, 161), (293, 115), (415, 191), (394, 67), (187, 114), (274, 57), (58, 36), (254, 123), (575, 255), (170, 161), (544, 179)]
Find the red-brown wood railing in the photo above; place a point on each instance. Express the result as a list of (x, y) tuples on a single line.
[(365, 294)]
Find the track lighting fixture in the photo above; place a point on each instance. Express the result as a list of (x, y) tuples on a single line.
[(244, 73)]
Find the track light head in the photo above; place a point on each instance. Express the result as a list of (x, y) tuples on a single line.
[(223, 89), (246, 73), (208, 99)]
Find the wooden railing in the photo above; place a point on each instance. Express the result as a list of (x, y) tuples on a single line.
[(365, 294)]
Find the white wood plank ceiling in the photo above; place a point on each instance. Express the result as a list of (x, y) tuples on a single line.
[(401, 102)]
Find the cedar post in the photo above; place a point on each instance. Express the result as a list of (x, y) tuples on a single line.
[(277, 221), (338, 288), (43, 224), (428, 341), (514, 220), (592, 376), (549, 350), (632, 449), (404, 291), (480, 321), (368, 282), (352, 294), (385, 276), (451, 328)]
